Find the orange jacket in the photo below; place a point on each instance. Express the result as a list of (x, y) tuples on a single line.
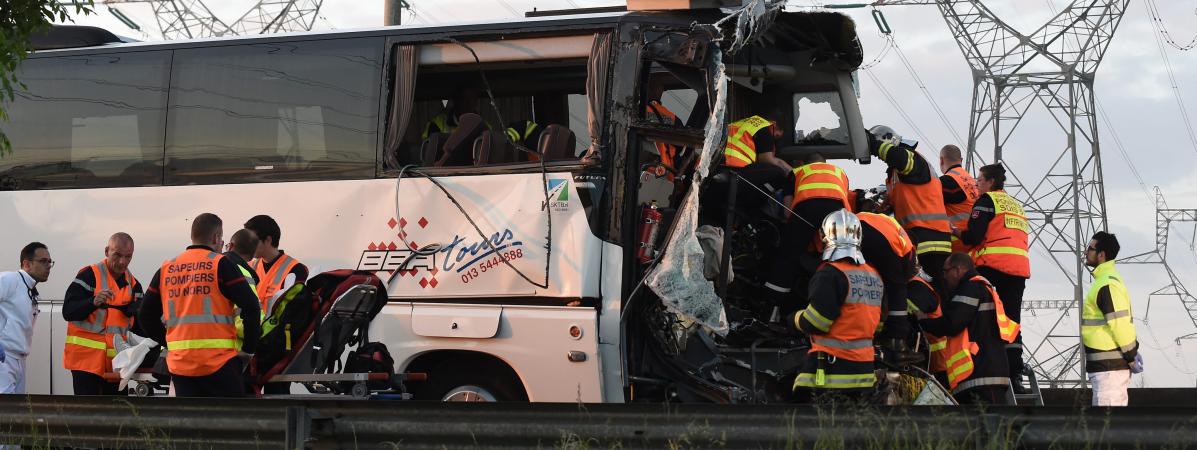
[(851, 334), (1005, 246), (899, 241), (270, 281), (958, 213), (820, 180), (200, 333), (91, 344), (741, 149)]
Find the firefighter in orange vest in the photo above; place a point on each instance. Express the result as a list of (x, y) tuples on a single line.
[(997, 234), (977, 331), (750, 152), (846, 295), (960, 191), (99, 307), (277, 271), (922, 300), (813, 191), (916, 196), (887, 248), (195, 293), (671, 156)]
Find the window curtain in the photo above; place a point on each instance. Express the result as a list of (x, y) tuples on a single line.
[(597, 69), (401, 101)]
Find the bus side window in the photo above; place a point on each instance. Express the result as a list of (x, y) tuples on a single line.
[(87, 121), (287, 111), (539, 109)]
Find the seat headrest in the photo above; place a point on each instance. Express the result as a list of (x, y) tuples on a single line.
[(557, 143), (457, 148)]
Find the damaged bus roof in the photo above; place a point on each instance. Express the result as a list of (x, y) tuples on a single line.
[(822, 28)]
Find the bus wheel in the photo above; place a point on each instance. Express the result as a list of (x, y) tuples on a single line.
[(472, 381)]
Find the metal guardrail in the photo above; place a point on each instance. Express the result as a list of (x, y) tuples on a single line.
[(58, 421)]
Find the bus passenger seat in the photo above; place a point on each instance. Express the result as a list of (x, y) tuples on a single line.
[(556, 143), (458, 147), (431, 148)]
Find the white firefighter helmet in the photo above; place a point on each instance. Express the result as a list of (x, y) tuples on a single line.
[(884, 133), (841, 237)]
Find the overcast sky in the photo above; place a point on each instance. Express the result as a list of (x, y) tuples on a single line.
[(1133, 85)]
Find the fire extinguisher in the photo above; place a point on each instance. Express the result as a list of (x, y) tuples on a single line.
[(649, 227)]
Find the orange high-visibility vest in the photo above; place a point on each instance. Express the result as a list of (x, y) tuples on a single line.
[(270, 281), (899, 241), (820, 180), (851, 334), (200, 334), (918, 205), (91, 344), (938, 346), (657, 112), (958, 213), (960, 349), (741, 149), (1005, 246)]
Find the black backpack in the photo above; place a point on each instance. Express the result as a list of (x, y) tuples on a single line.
[(370, 357), (283, 326)]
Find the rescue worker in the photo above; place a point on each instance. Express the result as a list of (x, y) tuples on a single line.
[(923, 301), (977, 329), (997, 235), (887, 248), (846, 295), (1111, 350), (195, 293), (241, 249), (465, 100), (99, 307), (276, 270), (917, 198), (751, 153), (960, 191), (18, 314), (815, 190), (654, 111)]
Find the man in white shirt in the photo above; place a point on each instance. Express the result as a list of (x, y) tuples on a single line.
[(18, 312)]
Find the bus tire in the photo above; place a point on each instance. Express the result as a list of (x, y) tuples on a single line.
[(472, 380)]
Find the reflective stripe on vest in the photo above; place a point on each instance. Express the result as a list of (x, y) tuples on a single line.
[(1004, 247), (983, 381), (1109, 334), (934, 247), (959, 213), (834, 381), (893, 232), (918, 205), (199, 318), (820, 180), (89, 344), (850, 336), (270, 281), (1007, 329), (937, 346), (741, 149)]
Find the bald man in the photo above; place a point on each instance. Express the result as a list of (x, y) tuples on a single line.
[(99, 307)]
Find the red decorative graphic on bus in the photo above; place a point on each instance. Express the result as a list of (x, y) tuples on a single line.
[(389, 256)]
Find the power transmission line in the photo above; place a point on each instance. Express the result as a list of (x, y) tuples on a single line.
[(898, 107), (1180, 103), (1158, 22), (927, 93)]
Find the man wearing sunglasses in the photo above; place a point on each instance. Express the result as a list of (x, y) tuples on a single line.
[(18, 313)]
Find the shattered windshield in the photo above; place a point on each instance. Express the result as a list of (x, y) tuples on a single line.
[(819, 119)]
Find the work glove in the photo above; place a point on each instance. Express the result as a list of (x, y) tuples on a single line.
[(1136, 366)]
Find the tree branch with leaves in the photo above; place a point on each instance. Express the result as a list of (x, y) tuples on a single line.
[(19, 20)]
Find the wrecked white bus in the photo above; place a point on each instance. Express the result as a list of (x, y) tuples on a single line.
[(516, 262)]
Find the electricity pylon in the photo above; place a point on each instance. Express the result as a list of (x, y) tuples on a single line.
[(1164, 217), (1055, 67), (191, 19)]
